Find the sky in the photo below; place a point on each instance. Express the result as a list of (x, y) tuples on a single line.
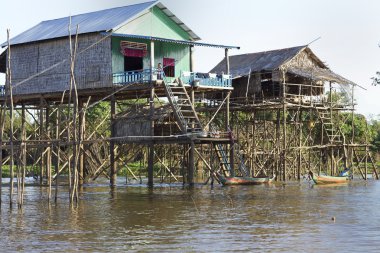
[(348, 30)]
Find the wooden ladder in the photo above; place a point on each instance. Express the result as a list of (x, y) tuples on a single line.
[(183, 108)]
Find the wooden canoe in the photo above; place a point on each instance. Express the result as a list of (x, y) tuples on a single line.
[(245, 180), (328, 179)]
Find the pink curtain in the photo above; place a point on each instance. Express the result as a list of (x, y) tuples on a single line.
[(168, 62), (133, 52)]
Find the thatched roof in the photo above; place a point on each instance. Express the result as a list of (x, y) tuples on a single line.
[(268, 61)]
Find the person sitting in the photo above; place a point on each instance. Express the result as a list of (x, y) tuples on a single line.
[(344, 173), (159, 71)]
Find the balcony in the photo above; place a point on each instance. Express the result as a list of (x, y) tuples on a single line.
[(191, 78), (206, 79), (138, 76)]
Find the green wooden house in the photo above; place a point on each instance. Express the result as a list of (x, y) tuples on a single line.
[(133, 44)]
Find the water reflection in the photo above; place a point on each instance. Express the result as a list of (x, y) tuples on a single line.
[(291, 217)]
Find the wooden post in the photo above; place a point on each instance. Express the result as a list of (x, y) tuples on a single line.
[(81, 133), (332, 121), (299, 119), (151, 145), (284, 128), (191, 58), (278, 142), (151, 106), (23, 154), (253, 163), (41, 137), (113, 175), (151, 60), (190, 173), (226, 53), (57, 150), (48, 151)]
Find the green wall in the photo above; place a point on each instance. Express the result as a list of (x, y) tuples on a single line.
[(154, 23), (181, 53)]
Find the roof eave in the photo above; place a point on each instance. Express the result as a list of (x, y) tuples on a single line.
[(131, 18), (176, 20)]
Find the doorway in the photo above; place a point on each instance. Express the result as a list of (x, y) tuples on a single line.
[(133, 63)]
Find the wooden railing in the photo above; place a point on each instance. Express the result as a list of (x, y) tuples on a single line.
[(206, 79), (137, 76)]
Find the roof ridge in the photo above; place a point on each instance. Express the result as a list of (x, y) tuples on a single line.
[(91, 12), (270, 51)]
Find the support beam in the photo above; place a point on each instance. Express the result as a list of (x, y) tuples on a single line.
[(81, 134), (227, 61), (284, 129), (151, 145), (191, 58), (113, 175), (190, 172), (41, 136)]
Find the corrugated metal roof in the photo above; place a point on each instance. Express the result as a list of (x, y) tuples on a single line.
[(244, 64), (99, 21), (185, 42)]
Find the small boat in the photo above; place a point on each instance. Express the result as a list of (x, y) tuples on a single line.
[(245, 180), (328, 179)]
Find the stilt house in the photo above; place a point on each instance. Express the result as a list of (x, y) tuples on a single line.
[(261, 76), (115, 47)]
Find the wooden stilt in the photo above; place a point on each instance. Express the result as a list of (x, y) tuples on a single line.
[(42, 137), (48, 151), (190, 172), (151, 145), (113, 175)]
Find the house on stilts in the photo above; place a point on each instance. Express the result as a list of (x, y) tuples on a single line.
[(289, 107), (139, 60)]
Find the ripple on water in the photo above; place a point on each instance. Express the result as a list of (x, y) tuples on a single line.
[(278, 218)]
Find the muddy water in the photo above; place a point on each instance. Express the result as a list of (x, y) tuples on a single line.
[(292, 217)]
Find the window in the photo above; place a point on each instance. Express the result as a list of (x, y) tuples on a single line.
[(169, 68), (133, 55)]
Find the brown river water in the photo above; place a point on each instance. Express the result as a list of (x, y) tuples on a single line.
[(291, 217)]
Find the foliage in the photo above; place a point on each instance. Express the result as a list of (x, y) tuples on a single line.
[(376, 80), (374, 126), (359, 126)]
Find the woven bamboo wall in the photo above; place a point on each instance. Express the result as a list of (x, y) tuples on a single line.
[(93, 67)]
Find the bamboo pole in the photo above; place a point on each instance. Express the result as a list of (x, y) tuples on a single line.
[(74, 193), (11, 161)]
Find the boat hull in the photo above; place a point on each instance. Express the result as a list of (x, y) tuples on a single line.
[(245, 180), (328, 179)]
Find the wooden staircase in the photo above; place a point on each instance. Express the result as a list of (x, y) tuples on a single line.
[(183, 108), (225, 161), (332, 131)]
